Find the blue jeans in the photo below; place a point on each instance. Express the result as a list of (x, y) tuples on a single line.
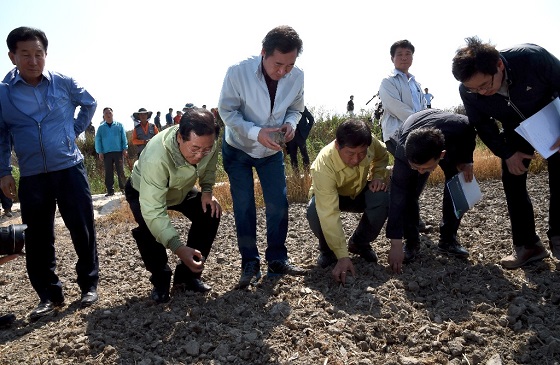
[(270, 170), (374, 206)]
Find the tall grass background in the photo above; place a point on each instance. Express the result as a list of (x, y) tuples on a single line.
[(486, 165)]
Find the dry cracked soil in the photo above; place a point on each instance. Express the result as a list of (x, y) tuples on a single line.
[(440, 310)]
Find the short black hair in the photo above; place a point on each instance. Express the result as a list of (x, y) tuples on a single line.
[(23, 34), (475, 57), (353, 133), (282, 38), (200, 121), (424, 144), (405, 43)]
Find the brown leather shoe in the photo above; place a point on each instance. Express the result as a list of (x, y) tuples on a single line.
[(522, 255)]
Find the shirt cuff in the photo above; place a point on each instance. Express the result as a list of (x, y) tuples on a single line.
[(174, 243)]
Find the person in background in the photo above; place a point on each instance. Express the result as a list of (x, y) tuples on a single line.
[(350, 106), (262, 97), (429, 97), (425, 140), (112, 147), (340, 184), (52, 170), (399, 92), (401, 96), (300, 141), (164, 179), (157, 121), (144, 131), (177, 118), (509, 86), (169, 118)]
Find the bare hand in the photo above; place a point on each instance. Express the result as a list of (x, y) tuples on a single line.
[(341, 269), (515, 163), (556, 146), (8, 186), (467, 169), (378, 185), (209, 200), (289, 132), (191, 257), (100, 157), (396, 256), (266, 140)]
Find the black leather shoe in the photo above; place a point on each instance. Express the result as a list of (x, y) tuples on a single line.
[(411, 250), (89, 298), (160, 295), (44, 308), (452, 248), (366, 252), (197, 285), (326, 259)]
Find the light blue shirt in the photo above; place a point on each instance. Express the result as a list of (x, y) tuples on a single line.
[(245, 105), (415, 91), (42, 122)]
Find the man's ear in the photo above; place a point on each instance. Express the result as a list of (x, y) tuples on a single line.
[(12, 58), (336, 145)]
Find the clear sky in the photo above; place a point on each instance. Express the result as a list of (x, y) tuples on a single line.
[(162, 54)]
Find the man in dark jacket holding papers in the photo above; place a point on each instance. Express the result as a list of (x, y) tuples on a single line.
[(509, 86), (425, 140)]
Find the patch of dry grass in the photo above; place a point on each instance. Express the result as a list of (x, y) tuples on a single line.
[(486, 166)]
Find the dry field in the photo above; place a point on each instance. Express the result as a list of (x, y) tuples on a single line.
[(441, 310)]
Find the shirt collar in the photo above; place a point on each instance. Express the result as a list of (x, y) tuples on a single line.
[(17, 77)]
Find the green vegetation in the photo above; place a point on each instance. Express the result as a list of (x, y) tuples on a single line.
[(487, 166)]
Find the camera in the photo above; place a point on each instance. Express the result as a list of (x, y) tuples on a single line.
[(12, 239)]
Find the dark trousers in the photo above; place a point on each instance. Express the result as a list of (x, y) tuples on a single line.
[(111, 159), (406, 186), (39, 196), (520, 207), (374, 207), (201, 236), (292, 148)]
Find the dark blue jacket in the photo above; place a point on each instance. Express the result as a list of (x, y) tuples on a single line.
[(533, 77)]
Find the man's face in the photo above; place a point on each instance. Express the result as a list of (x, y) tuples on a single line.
[(352, 156), (427, 167), (402, 59), (484, 84), (108, 116), (278, 64), (29, 59), (143, 117), (196, 147)]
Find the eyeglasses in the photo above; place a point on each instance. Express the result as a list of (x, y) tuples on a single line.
[(198, 151), (484, 87)]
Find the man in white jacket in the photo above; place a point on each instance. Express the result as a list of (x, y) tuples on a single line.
[(261, 103), (399, 92)]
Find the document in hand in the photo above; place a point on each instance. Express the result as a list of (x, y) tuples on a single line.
[(463, 194), (542, 129)]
